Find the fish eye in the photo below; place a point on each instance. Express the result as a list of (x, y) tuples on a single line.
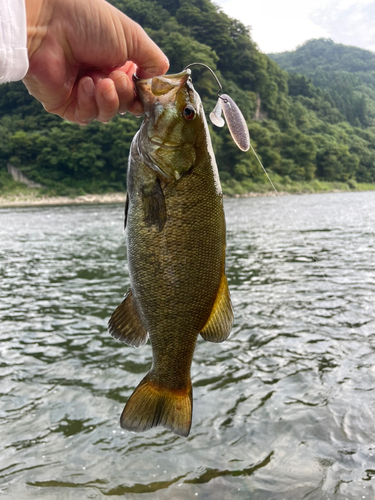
[(188, 113)]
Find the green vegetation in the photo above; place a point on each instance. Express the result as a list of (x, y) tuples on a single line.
[(11, 187), (347, 73), (284, 185), (305, 135)]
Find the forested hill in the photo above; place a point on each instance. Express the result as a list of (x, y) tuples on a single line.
[(299, 131), (348, 73)]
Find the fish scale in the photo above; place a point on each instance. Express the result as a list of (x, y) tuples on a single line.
[(176, 253)]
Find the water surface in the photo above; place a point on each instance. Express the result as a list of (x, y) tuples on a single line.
[(284, 409)]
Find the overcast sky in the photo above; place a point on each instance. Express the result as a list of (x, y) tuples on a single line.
[(279, 25)]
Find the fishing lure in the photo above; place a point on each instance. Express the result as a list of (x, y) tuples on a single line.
[(240, 134), (232, 114)]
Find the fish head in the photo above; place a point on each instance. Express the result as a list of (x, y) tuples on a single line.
[(173, 120)]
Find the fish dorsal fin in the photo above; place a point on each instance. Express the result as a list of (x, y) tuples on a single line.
[(126, 324), (220, 322)]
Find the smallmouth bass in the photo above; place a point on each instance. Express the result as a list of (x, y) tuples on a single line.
[(175, 231)]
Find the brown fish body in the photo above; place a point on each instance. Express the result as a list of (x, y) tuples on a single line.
[(176, 254)]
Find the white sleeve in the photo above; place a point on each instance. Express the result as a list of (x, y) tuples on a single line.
[(14, 62)]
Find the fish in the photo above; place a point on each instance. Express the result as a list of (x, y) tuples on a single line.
[(176, 242)]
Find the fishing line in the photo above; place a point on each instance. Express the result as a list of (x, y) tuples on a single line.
[(292, 221), (240, 134)]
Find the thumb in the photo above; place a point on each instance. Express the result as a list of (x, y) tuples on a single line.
[(148, 57)]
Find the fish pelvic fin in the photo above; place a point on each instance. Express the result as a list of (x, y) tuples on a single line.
[(151, 405), (126, 324), (220, 322)]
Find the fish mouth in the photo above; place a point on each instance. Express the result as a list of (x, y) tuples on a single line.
[(160, 87), (163, 80)]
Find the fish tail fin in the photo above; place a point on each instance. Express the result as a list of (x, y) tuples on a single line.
[(152, 404)]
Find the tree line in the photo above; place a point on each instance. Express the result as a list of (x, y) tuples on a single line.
[(301, 128)]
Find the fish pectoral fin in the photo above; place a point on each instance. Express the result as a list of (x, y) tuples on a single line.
[(126, 324), (152, 404), (220, 322), (154, 205)]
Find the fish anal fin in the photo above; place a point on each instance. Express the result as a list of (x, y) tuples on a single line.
[(151, 405), (220, 322), (126, 324)]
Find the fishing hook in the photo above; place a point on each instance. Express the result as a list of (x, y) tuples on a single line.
[(212, 73)]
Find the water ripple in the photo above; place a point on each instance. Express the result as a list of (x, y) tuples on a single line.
[(282, 410)]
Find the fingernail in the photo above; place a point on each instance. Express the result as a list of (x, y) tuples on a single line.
[(88, 87), (110, 93)]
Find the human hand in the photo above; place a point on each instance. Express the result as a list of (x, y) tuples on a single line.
[(82, 57)]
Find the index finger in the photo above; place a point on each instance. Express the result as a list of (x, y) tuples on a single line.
[(149, 58)]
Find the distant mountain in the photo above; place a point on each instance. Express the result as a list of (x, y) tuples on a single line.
[(346, 72), (300, 131)]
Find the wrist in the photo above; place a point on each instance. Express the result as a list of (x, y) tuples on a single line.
[(37, 19)]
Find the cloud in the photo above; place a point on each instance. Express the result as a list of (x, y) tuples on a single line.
[(349, 22), (277, 25), (278, 34)]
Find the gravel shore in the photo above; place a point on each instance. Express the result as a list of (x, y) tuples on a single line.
[(30, 200)]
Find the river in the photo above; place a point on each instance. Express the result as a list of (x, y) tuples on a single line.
[(283, 410)]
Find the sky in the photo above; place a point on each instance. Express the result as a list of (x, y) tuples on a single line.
[(280, 25)]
